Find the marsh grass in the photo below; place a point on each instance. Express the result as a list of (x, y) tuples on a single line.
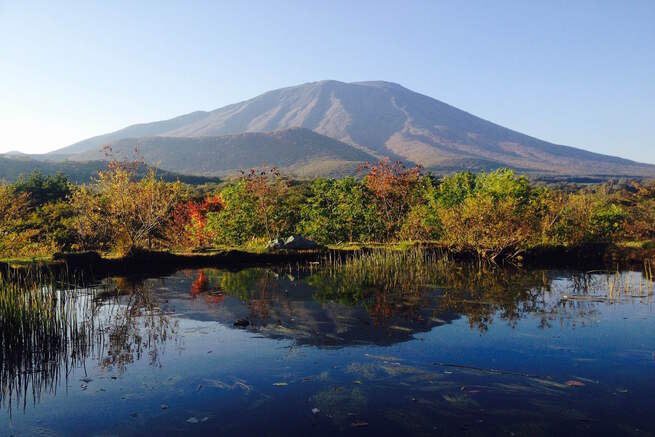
[(387, 269), (630, 284), (52, 324), (40, 329)]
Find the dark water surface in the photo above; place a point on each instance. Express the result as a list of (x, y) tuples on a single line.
[(532, 353)]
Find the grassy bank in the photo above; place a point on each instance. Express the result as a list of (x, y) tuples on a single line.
[(142, 262)]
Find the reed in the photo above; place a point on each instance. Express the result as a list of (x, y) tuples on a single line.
[(626, 284), (41, 333), (386, 268)]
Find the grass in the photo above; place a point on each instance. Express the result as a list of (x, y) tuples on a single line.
[(51, 324), (39, 329), (625, 284), (393, 267), (25, 260)]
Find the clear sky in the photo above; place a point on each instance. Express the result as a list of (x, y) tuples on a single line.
[(572, 72)]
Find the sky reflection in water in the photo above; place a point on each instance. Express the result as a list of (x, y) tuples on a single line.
[(495, 353)]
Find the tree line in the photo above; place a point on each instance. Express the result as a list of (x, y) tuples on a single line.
[(494, 214)]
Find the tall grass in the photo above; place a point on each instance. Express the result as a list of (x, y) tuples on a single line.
[(40, 329), (626, 284), (386, 268), (50, 325)]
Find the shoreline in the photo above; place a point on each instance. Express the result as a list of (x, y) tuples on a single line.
[(161, 263)]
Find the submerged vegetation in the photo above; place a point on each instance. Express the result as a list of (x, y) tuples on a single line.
[(496, 215)]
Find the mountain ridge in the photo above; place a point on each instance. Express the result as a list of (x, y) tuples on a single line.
[(382, 119), (296, 150)]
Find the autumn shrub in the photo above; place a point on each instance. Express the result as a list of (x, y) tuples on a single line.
[(491, 214), (188, 225), (586, 218), (422, 220), (121, 213), (392, 187), (14, 237), (638, 200), (488, 227)]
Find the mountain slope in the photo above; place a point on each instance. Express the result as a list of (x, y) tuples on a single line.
[(386, 119), (300, 151), (11, 168), (134, 131)]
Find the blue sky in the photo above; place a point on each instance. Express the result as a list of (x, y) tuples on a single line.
[(577, 73)]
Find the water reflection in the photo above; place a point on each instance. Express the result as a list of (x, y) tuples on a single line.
[(49, 327), (108, 327)]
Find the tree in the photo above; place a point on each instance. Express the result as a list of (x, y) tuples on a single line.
[(491, 214), (129, 213), (391, 184), (238, 220), (268, 189), (44, 189), (337, 211), (586, 217), (489, 228), (639, 201), (13, 206)]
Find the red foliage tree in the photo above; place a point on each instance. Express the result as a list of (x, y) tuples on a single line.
[(391, 184)]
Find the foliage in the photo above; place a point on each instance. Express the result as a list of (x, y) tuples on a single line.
[(44, 189), (268, 190), (238, 220), (12, 206), (124, 213), (489, 227), (391, 185), (338, 211), (493, 215), (639, 199), (586, 218), (188, 224)]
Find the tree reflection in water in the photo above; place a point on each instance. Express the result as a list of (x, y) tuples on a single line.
[(49, 327)]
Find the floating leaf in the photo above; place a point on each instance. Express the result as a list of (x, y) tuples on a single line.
[(359, 424)]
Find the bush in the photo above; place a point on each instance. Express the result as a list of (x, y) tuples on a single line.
[(489, 228), (338, 211), (586, 218)]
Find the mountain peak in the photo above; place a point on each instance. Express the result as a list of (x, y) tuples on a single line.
[(384, 119)]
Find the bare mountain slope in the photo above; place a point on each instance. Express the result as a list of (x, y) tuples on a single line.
[(300, 151), (385, 119)]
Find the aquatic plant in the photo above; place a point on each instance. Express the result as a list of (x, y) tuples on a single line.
[(41, 333), (52, 323)]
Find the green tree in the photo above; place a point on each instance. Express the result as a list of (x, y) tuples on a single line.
[(44, 189), (238, 221), (338, 211)]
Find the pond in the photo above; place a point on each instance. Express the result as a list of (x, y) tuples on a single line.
[(306, 350)]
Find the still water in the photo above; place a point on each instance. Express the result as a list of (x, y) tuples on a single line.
[(486, 353)]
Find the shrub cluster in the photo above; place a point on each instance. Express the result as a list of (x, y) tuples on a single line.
[(496, 214)]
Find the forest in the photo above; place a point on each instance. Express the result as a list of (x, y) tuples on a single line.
[(494, 215)]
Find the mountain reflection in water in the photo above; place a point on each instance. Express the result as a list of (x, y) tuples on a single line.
[(147, 323)]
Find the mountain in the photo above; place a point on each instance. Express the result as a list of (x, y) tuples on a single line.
[(134, 131), (382, 119), (298, 151), (11, 168)]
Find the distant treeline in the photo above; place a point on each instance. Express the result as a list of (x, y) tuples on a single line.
[(12, 169), (493, 215)]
